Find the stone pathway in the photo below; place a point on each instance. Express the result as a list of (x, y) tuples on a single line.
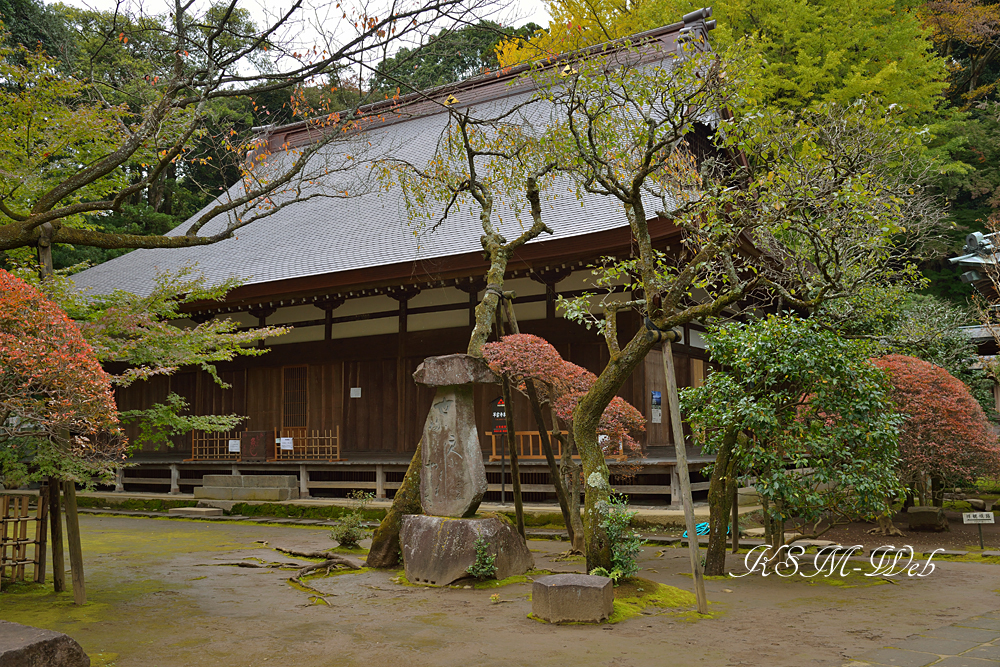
[(974, 642)]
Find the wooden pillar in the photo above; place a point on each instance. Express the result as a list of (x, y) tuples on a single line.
[(550, 276), (329, 304), (175, 479), (402, 294), (75, 548), (675, 489), (472, 287), (55, 520), (303, 481), (379, 480), (262, 312)]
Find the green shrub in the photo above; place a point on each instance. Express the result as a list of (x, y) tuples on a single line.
[(485, 566), (349, 531), (625, 542)]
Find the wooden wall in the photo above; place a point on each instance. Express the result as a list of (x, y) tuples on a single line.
[(388, 417)]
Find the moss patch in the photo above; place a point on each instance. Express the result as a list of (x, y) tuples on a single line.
[(634, 595), (971, 557), (349, 550), (283, 511), (497, 583), (132, 504)]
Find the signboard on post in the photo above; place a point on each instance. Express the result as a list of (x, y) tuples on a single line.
[(253, 445), (656, 402), (499, 416), (979, 518), (499, 410)]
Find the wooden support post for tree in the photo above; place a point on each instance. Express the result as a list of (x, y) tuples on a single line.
[(736, 519), (41, 532), (55, 519), (682, 471), (515, 470), (75, 547)]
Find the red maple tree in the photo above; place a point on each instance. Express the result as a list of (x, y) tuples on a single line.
[(57, 406), (946, 436), (562, 383)]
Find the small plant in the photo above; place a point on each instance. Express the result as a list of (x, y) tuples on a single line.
[(625, 542), (495, 598), (615, 576), (485, 566), (350, 529)]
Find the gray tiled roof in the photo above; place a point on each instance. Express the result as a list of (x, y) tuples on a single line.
[(329, 235)]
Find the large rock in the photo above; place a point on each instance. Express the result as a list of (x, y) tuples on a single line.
[(927, 518), (452, 477), (572, 598), (439, 550), (25, 646), (454, 369)]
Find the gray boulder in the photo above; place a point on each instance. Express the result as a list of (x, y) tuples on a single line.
[(439, 550), (927, 518), (572, 598), (25, 646)]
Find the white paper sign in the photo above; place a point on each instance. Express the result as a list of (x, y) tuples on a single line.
[(234, 446), (286, 444), (355, 392), (977, 517)]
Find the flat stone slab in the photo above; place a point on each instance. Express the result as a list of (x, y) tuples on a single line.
[(899, 658), (439, 550), (25, 646), (572, 598), (454, 369), (808, 544), (979, 635), (195, 511), (990, 554)]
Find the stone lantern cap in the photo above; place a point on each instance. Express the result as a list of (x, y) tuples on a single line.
[(452, 369)]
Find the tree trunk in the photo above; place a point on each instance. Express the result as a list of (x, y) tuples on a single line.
[(385, 550), (570, 476), (720, 504), (586, 418)]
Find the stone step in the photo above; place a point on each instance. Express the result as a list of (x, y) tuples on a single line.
[(252, 481), (241, 494)]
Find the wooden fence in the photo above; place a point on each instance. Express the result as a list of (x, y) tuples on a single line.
[(295, 444), (214, 446), (529, 445), (301, 445), (16, 535)]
